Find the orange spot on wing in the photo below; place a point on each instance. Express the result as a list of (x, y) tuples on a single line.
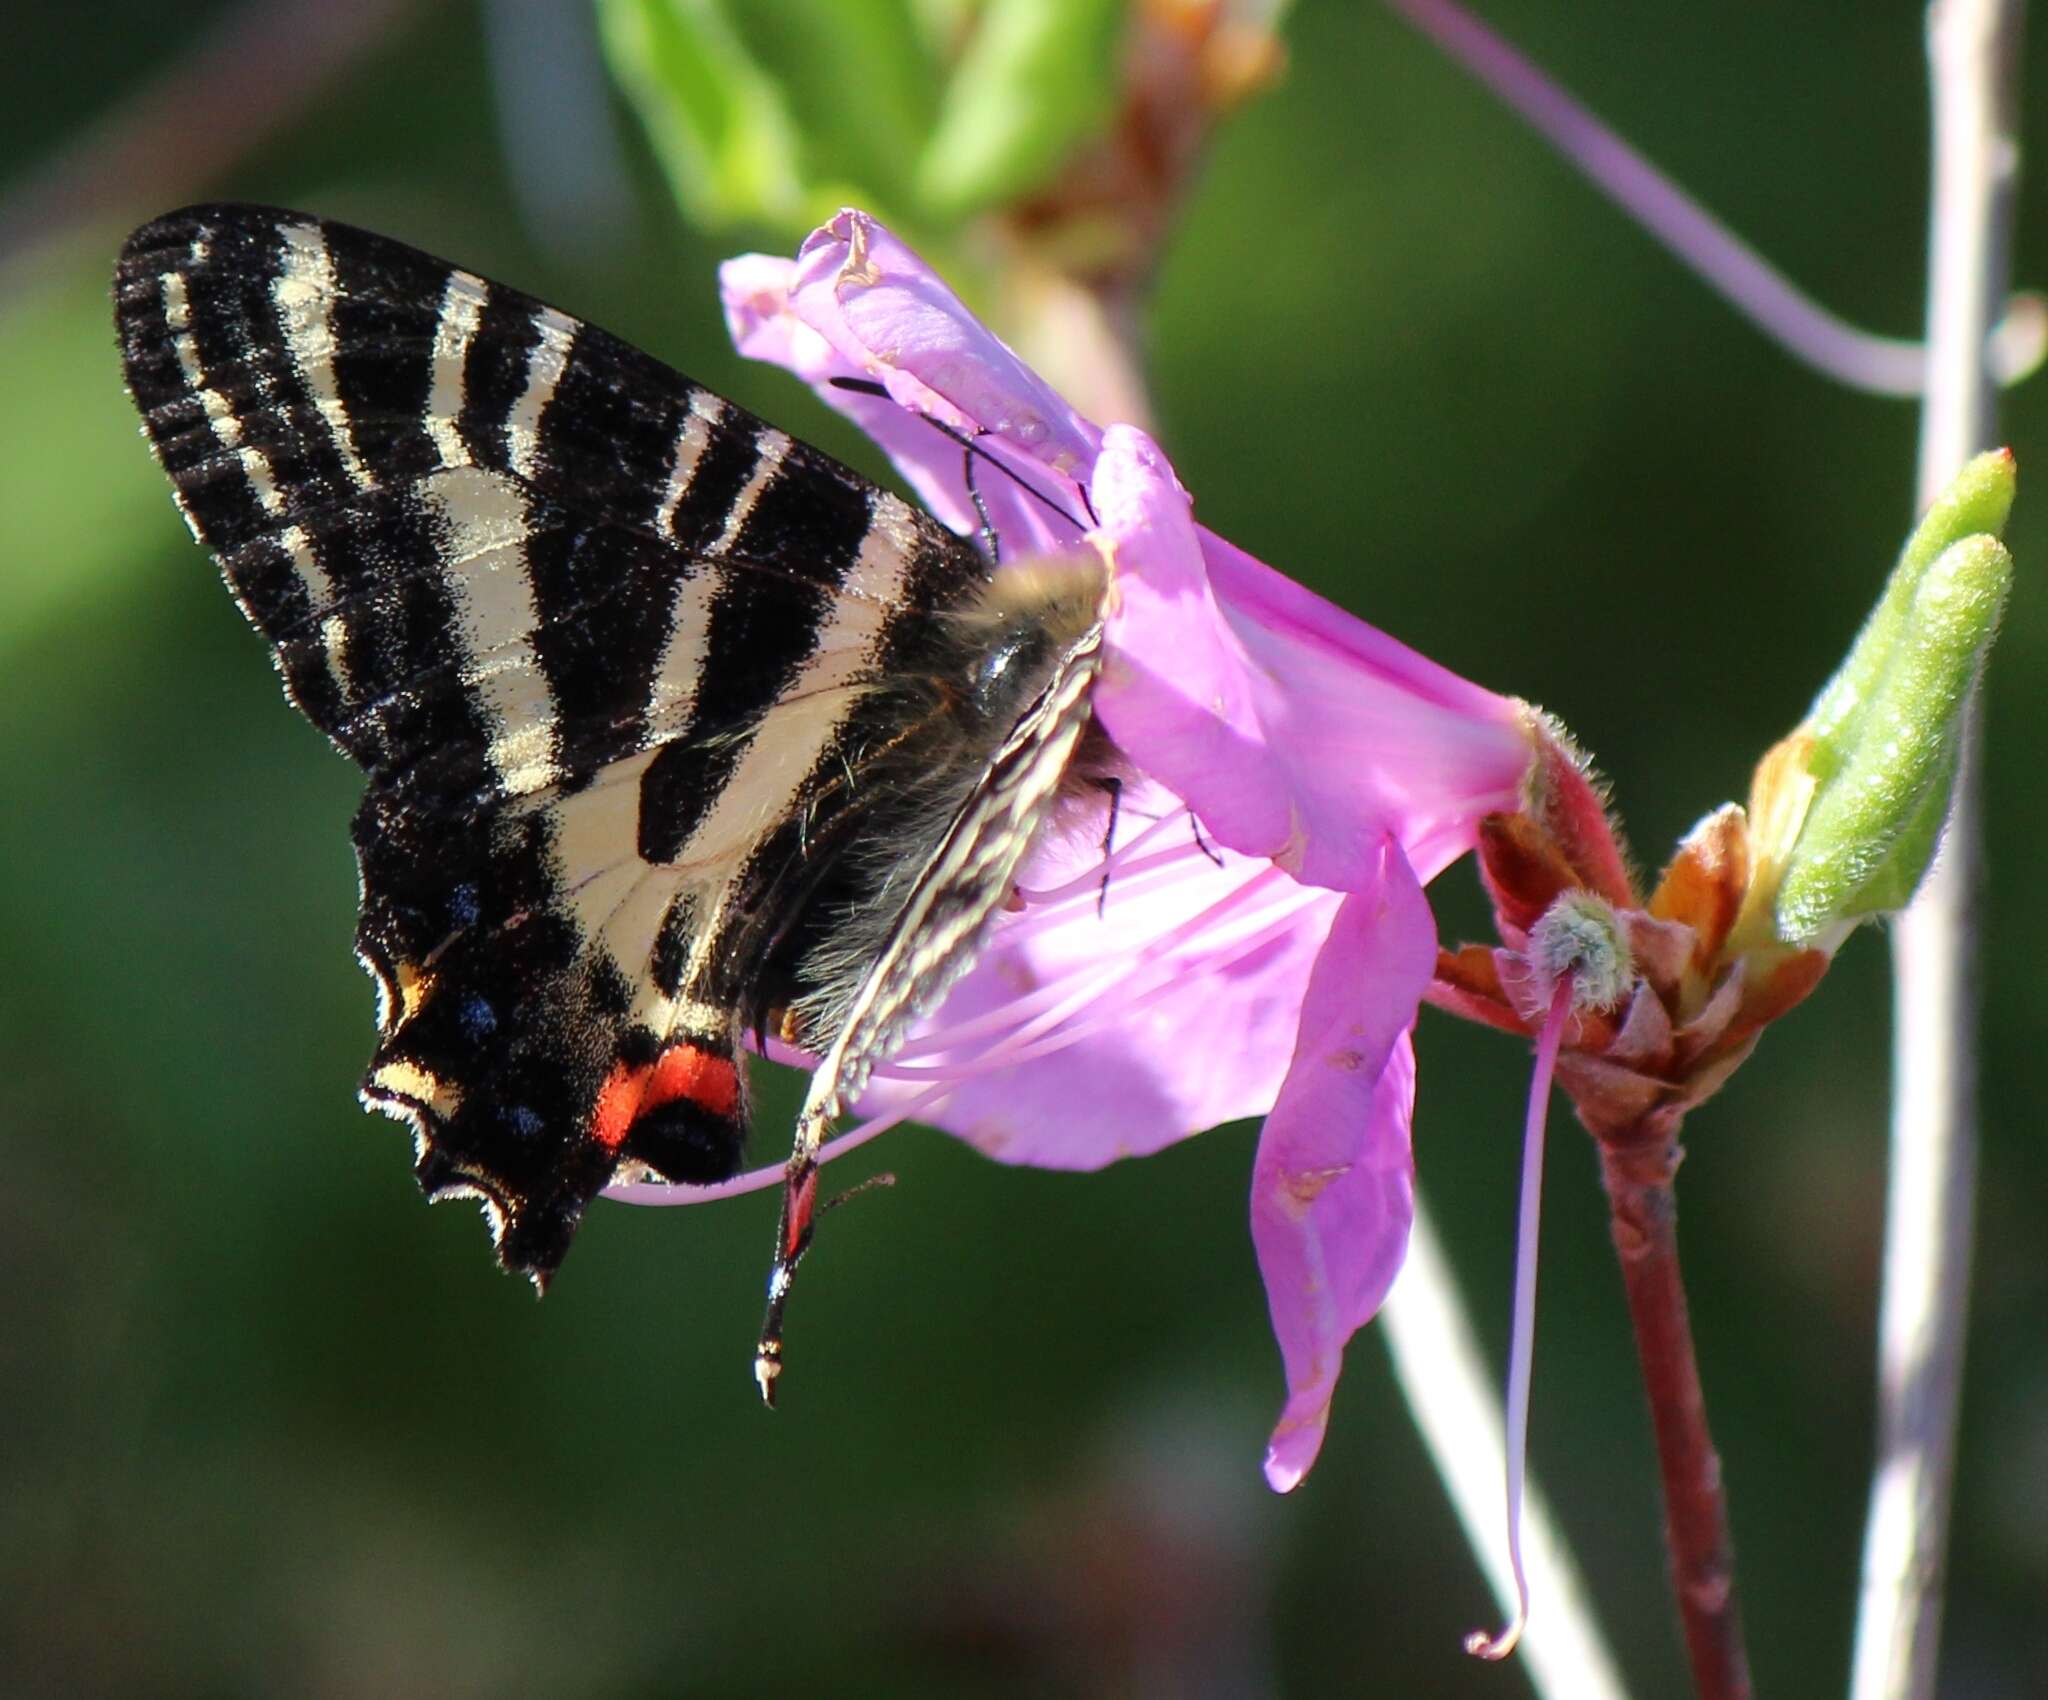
[(618, 1102), (681, 1071)]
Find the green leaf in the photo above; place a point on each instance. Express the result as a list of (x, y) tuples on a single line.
[(777, 112), (716, 116), (1892, 886), (1038, 78), (862, 80)]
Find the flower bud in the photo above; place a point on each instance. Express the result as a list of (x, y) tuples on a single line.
[(1846, 811)]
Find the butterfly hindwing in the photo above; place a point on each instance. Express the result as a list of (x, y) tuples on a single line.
[(655, 704), (674, 728)]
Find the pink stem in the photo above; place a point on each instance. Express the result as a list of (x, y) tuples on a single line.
[(1720, 258)]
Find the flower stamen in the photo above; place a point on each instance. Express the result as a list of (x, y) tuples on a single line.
[(1522, 1347), (1055, 1030), (1121, 864), (760, 1180), (1025, 1016)]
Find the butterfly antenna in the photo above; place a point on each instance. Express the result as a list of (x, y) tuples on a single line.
[(867, 386)]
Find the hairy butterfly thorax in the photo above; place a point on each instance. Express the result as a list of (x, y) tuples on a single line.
[(677, 733)]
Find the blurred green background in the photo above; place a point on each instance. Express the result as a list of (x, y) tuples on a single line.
[(268, 1426)]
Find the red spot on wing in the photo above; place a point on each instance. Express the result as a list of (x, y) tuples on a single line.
[(681, 1071), (618, 1102), (684, 1071)]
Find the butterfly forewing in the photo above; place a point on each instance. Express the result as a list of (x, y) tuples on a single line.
[(647, 693)]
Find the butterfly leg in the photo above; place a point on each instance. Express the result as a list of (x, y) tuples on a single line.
[(771, 1355), (793, 1231), (991, 544), (1115, 787)]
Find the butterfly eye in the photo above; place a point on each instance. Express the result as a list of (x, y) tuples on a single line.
[(999, 668)]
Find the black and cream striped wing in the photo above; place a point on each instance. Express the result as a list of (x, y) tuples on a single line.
[(642, 687)]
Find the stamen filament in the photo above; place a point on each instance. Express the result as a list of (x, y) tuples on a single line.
[(760, 1180), (1137, 878), (1005, 1021), (1118, 864), (1053, 1032), (1522, 1346)]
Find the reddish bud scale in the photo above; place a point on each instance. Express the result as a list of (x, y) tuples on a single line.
[(1567, 808), (1524, 872), (1697, 1002)]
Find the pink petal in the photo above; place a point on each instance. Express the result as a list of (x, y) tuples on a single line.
[(1181, 1003), (1177, 693), (754, 290), (1352, 712), (877, 301), (858, 304), (1296, 731), (1333, 1184), (765, 326)]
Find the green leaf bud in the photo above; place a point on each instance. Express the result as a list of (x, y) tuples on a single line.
[(1885, 759)]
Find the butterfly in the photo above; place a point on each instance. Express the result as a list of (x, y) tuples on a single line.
[(676, 731)]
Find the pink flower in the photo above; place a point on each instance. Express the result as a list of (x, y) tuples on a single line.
[(1265, 941)]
